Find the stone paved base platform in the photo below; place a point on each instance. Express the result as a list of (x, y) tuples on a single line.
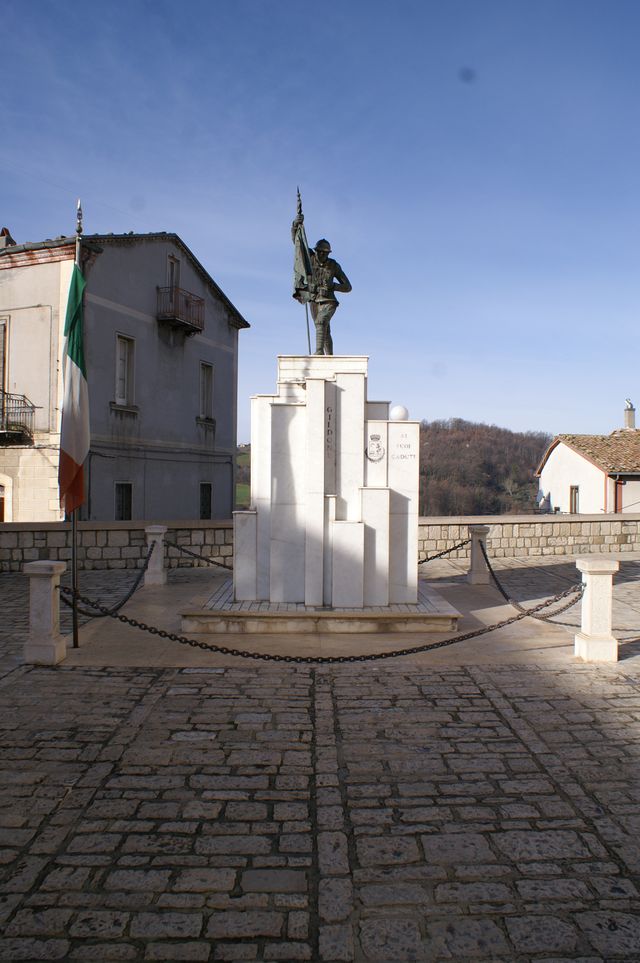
[(220, 614)]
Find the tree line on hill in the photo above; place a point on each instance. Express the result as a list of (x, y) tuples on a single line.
[(466, 468)]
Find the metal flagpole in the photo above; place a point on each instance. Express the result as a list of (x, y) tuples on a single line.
[(306, 307), (74, 513), (306, 246)]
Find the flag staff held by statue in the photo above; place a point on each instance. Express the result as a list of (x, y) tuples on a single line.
[(74, 428), (302, 262)]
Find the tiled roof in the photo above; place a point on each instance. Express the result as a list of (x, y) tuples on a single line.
[(617, 452)]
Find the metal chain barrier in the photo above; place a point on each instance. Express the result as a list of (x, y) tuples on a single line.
[(579, 589), (323, 659), (550, 616), (201, 558), (114, 608), (447, 551)]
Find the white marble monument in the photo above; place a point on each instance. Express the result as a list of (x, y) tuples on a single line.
[(334, 492)]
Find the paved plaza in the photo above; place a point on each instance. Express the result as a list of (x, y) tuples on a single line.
[(480, 802)]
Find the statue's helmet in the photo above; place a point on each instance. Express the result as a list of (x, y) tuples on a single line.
[(323, 245)]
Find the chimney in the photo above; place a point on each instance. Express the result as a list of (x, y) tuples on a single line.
[(629, 415), (5, 238)]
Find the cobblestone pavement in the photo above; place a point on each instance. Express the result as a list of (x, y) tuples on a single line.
[(399, 813), (292, 814)]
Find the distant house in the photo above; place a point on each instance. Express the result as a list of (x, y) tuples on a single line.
[(591, 474), (161, 351)]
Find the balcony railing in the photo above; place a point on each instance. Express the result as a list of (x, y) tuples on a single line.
[(17, 416), (181, 309)]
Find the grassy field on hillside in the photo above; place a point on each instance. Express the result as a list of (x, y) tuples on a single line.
[(243, 494), (243, 470)]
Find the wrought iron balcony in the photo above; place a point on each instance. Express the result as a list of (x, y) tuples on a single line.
[(181, 309), (17, 417)]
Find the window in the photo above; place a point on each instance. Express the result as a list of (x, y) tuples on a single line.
[(574, 499), (123, 501), (1, 503), (206, 390), (124, 370), (173, 272), (206, 490)]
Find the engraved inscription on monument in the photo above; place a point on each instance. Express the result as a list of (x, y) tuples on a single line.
[(404, 449), (330, 429)]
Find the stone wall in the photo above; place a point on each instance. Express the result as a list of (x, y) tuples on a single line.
[(112, 544), (518, 535), (123, 544)]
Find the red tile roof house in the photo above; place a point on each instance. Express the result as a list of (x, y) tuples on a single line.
[(592, 474)]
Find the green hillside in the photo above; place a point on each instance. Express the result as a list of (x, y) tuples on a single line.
[(243, 477)]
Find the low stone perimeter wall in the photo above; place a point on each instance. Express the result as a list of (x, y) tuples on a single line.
[(123, 544), (112, 544), (511, 535)]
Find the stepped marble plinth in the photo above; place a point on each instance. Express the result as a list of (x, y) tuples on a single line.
[(222, 614), (333, 520)]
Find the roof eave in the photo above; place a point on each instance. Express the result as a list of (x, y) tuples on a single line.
[(545, 457), (236, 320), (606, 469)]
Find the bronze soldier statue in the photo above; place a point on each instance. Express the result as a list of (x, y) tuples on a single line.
[(317, 278)]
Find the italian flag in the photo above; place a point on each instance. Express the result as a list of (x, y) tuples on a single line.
[(74, 432)]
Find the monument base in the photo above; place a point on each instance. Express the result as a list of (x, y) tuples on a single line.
[(333, 517), (222, 615)]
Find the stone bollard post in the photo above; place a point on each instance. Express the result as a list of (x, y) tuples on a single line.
[(44, 645), (595, 643), (156, 574), (478, 573)]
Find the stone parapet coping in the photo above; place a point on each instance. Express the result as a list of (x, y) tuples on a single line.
[(537, 519), (546, 519), (134, 524)]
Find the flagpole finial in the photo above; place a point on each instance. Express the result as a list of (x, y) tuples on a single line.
[(79, 218)]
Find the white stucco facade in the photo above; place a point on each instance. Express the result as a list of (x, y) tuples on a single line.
[(565, 469), (630, 494), (32, 310), (162, 395)]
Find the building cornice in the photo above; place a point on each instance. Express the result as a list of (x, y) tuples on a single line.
[(27, 255)]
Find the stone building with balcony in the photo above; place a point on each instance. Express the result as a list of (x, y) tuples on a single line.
[(161, 351)]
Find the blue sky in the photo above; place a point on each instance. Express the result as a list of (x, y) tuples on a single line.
[(474, 163)]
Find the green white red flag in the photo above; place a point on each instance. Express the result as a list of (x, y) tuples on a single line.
[(74, 432)]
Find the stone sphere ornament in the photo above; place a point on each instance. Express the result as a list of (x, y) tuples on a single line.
[(399, 413)]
